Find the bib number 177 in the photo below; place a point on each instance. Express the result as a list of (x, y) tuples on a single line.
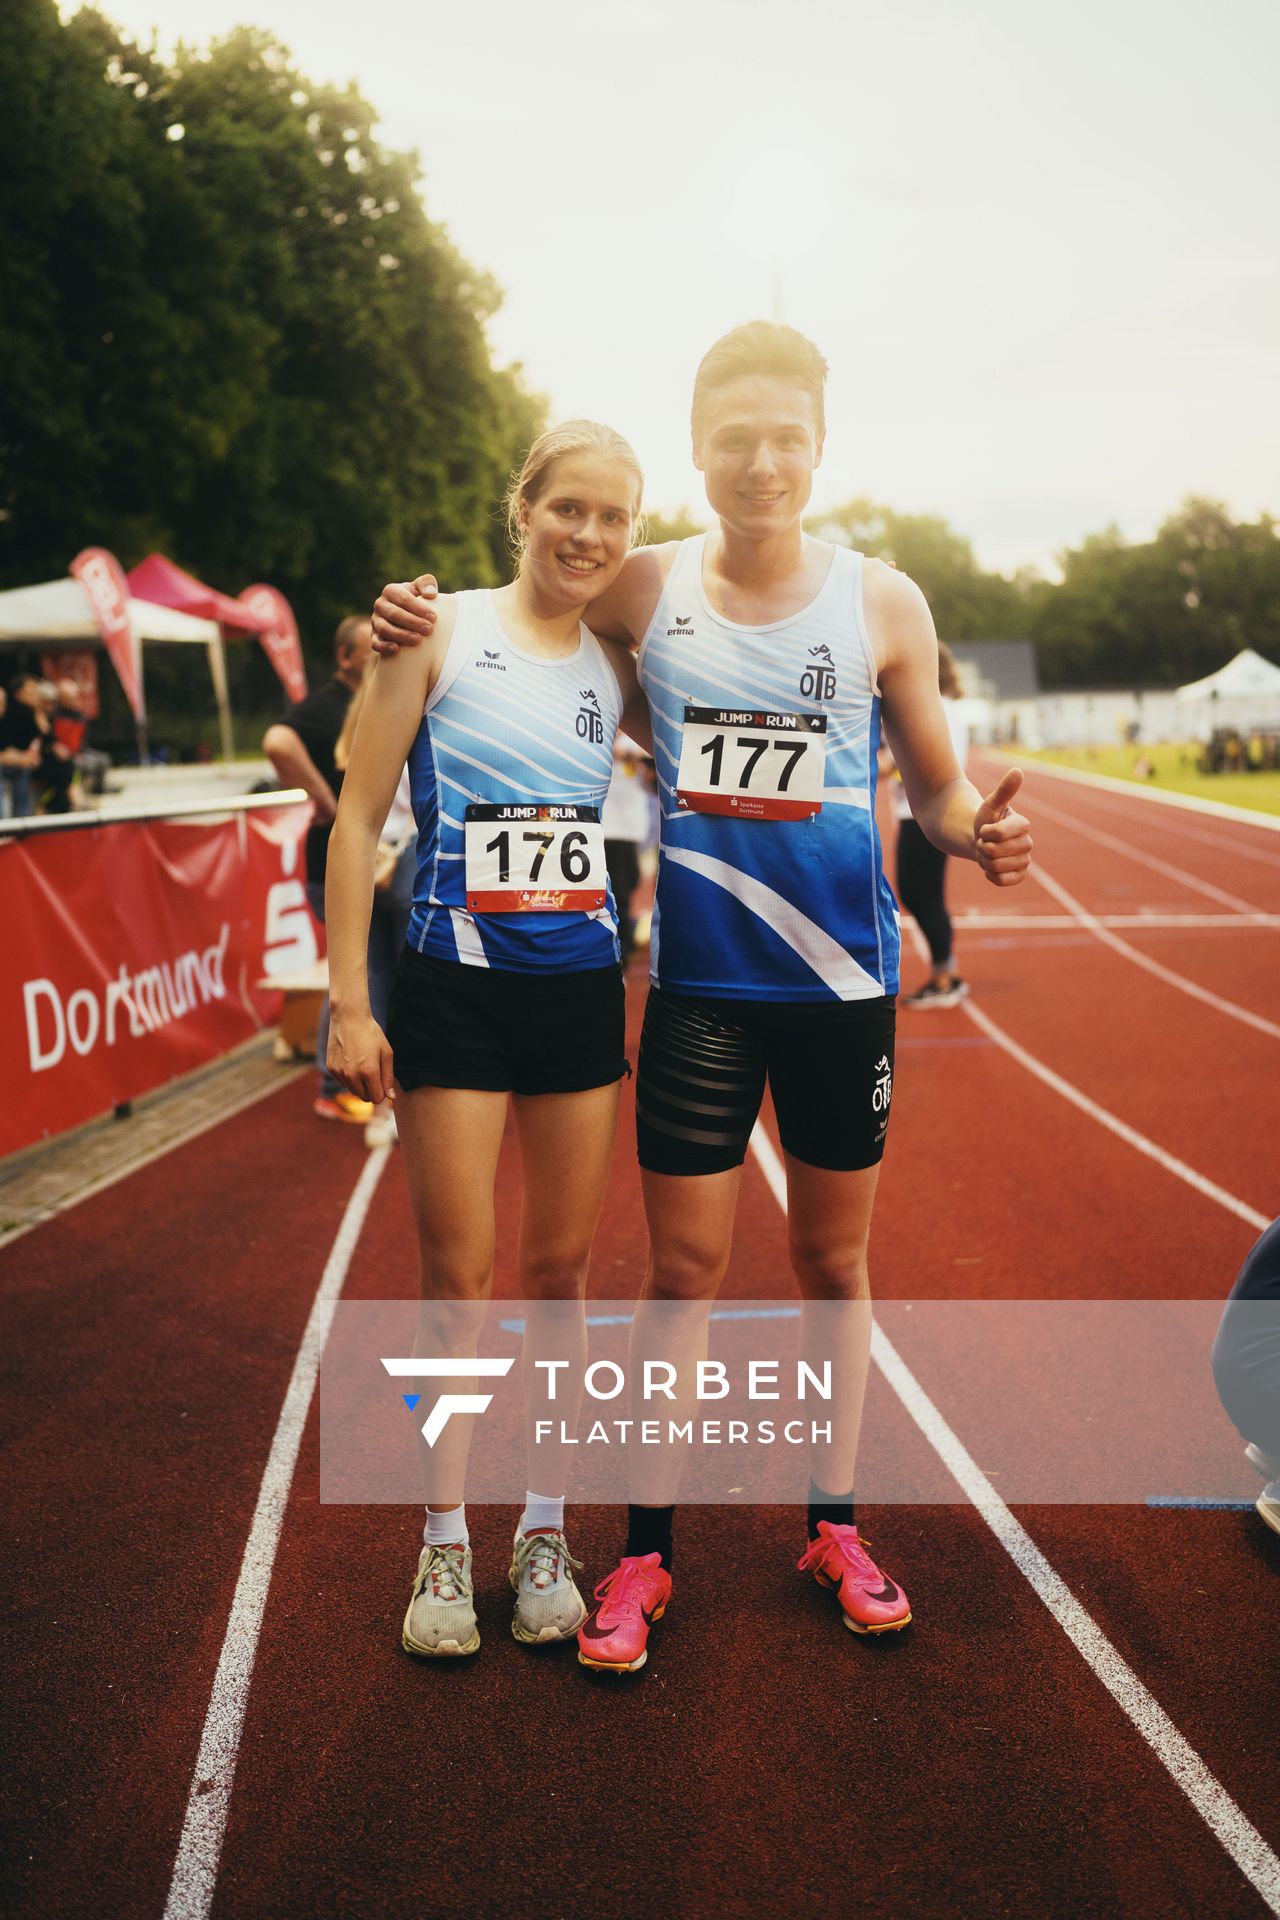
[(753, 766)]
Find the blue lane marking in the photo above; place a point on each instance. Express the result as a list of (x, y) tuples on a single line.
[(411, 1400), (719, 1313), (1198, 1504)]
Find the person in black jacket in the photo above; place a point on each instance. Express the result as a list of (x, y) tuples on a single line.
[(300, 747), (1246, 1365)]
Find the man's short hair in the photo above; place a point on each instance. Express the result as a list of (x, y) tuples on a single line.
[(761, 347), (347, 638)]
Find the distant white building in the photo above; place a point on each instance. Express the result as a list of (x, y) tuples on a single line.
[(1005, 703)]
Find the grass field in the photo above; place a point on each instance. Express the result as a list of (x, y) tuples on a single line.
[(1174, 767)]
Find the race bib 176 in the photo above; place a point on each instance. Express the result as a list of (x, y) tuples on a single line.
[(755, 766), (534, 859)]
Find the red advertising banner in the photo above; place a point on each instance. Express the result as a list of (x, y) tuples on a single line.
[(142, 946), (279, 637), (102, 577), (80, 667)]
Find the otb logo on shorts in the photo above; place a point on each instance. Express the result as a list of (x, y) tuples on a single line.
[(449, 1403), (818, 682), (882, 1093), (589, 724)]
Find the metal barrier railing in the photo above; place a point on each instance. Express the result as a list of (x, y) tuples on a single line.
[(24, 826)]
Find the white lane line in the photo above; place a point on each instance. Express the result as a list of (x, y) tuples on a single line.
[(1103, 783), (1225, 1820), (1135, 922), (1171, 979), (1165, 867), (195, 1870), (1122, 1130), (1221, 843)]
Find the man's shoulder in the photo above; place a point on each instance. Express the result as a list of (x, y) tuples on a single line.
[(646, 570), (319, 707), (888, 591), (625, 610)]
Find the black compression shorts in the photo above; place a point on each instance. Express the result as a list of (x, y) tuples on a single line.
[(451, 1025), (703, 1067)]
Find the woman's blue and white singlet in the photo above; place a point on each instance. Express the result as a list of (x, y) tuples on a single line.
[(507, 728), (771, 909)]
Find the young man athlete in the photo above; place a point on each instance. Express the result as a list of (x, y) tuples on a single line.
[(771, 661)]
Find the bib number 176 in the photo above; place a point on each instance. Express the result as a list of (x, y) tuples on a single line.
[(546, 859)]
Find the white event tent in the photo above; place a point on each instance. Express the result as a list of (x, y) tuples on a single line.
[(58, 613), (1244, 694)]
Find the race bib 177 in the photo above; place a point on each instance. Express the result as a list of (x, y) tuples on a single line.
[(534, 859), (755, 766)]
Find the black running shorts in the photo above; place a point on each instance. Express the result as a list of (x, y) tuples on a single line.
[(703, 1067), (451, 1025)]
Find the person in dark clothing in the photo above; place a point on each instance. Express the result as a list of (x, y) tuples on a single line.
[(922, 868), (60, 746), (20, 738), (1246, 1365), (300, 747)]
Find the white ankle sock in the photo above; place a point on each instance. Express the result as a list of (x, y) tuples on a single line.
[(542, 1510), (442, 1529)]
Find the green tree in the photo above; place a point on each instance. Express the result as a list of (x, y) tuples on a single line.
[(231, 331), (967, 604), (679, 525), (1160, 612)]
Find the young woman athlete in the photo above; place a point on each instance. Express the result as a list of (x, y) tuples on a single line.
[(774, 949), (509, 988)]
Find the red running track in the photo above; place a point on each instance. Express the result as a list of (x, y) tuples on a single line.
[(976, 1766)]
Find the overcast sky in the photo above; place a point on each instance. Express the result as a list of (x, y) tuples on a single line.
[(1036, 243)]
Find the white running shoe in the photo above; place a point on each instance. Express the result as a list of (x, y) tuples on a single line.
[(441, 1621), (932, 995), (548, 1605), (1268, 1504)]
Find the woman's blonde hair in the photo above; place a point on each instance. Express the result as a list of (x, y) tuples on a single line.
[(346, 739), (948, 673), (557, 443)]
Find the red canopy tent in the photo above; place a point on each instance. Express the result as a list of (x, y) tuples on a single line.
[(261, 610), (160, 581)]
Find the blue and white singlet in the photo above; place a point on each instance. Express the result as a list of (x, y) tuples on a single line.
[(771, 909), (508, 728)]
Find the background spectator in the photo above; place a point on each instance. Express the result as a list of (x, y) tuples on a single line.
[(300, 747), (20, 741)]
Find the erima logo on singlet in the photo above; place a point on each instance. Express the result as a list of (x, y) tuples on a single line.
[(589, 724), (682, 630), (818, 682), (491, 661)]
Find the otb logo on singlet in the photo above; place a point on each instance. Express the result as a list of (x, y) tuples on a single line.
[(682, 630), (490, 661), (589, 724), (883, 1091), (818, 682)]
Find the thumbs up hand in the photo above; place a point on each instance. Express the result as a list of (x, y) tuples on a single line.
[(1002, 838)]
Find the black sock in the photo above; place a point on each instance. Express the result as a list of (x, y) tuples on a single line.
[(832, 1507), (649, 1531)]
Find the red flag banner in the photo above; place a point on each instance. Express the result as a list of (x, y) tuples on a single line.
[(143, 943), (279, 636), (102, 577), (80, 667)]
